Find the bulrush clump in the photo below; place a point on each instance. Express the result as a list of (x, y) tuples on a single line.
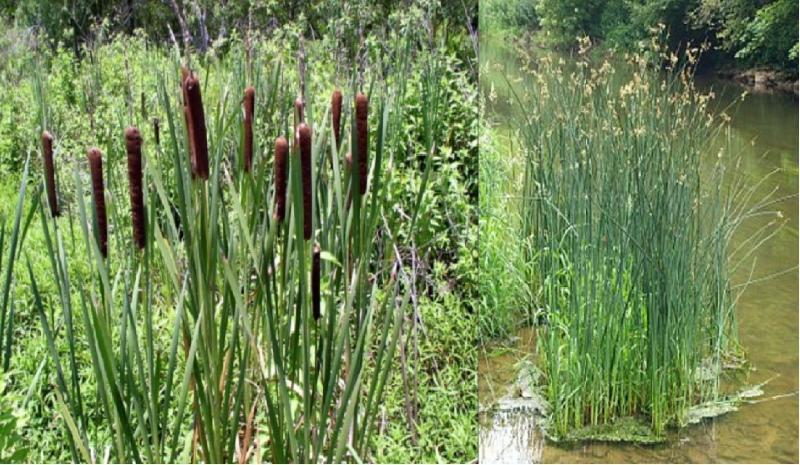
[(197, 125), (304, 135), (249, 107), (336, 116), (315, 281), (96, 171), (50, 172), (281, 153), (133, 144), (362, 130)]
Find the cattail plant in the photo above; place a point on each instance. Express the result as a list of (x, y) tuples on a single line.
[(197, 123), (49, 173), (185, 73), (98, 193), (362, 133), (242, 287), (304, 134), (336, 116), (249, 107), (133, 144), (298, 118), (157, 131), (281, 154)]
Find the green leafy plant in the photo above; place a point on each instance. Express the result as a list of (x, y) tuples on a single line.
[(12, 420)]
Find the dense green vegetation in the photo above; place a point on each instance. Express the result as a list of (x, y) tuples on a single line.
[(612, 235), (746, 33), (410, 278)]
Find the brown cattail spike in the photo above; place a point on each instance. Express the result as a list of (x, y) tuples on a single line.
[(362, 132), (185, 73), (197, 120), (133, 143), (157, 131), (315, 274), (96, 170), (190, 133), (304, 135), (50, 172), (336, 113), (281, 154), (249, 107)]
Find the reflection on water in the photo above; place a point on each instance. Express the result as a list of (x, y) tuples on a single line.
[(511, 437), (764, 131)]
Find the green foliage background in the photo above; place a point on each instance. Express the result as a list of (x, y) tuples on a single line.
[(747, 33)]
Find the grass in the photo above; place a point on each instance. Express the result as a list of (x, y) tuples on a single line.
[(628, 224), (503, 289)]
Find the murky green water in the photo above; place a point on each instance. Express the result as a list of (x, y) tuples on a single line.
[(765, 129)]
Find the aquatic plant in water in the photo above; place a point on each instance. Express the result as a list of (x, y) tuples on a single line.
[(627, 221)]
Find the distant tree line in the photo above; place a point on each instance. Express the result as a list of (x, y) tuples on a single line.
[(199, 23), (746, 32)]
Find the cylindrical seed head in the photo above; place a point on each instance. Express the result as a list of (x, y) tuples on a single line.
[(96, 171), (281, 154), (249, 107), (133, 144), (304, 134), (336, 114), (298, 118), (315, 278), (185, 73), (362, 133), (157, 131), (50, 172), (198, 125)]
